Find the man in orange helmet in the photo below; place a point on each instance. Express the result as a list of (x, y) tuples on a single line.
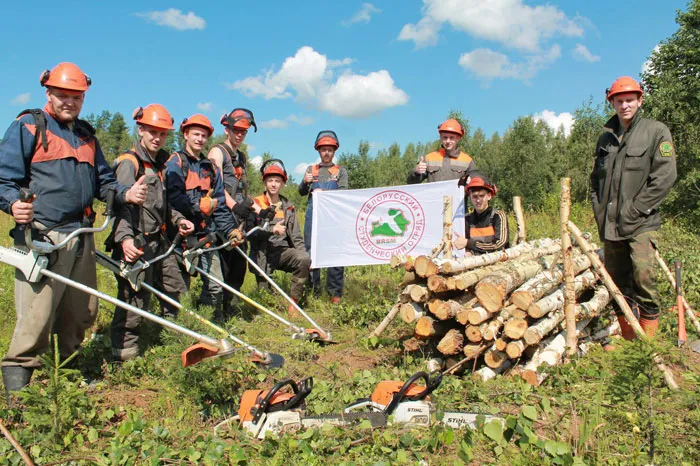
[(635, 167), (282, 248), (140, 233), (448, 163), (196, 189), (56, 155), (318, 177), (232, 162), (486, 228)]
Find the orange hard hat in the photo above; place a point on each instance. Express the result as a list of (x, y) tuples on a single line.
[(327, 138), (480, 182), (273, 167), (197, 120), (154, 115), (239, 118), (623, 85), (66, 76), (451, 126)]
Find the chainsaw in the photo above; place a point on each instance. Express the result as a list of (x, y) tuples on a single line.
[(280, 410)]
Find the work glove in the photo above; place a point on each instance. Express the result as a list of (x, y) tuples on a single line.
[(236, 237), (207, 204), (266, 215), (463, 180), (244, 208)]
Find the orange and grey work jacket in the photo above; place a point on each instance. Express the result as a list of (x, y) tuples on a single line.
[(442, 167), (152, 218), (487, 231)]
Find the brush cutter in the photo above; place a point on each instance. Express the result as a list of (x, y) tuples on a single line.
[(34, 265), (190, 258), (278, 410), (281, 291), (134, 274)]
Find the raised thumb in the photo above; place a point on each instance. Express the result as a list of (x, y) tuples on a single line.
[(209, 193), (141, 180), (457, 234), (422, 158)]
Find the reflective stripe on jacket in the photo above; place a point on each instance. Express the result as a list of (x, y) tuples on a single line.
[(487, 231), (442, 167)]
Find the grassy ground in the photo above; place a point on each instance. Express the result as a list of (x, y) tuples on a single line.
[(610, 409)]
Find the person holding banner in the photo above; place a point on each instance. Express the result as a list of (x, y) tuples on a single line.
[(324, 176), (282, 247), (486, 228), (448, 163)]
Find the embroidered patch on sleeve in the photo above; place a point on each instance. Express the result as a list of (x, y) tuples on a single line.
[(666, 149)]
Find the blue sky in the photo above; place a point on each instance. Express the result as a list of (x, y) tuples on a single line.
[(382, 71)]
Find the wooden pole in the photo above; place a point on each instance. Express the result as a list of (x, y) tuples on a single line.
[(519, 220), (620, 300), (690, 312), (387, 320), (447, 215), (13, 441), (567, 259)]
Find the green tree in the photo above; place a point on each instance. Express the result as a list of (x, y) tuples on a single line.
[(672, 82)]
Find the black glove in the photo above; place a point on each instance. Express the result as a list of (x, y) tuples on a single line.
[(244, 208), (266, 215), (463, 180)]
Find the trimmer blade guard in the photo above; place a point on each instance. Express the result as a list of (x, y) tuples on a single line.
[(199, 352), (315, 334), (273, 360)]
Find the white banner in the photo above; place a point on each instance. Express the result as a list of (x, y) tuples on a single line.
[(368, 226)]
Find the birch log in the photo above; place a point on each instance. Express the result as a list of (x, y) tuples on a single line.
[(447, 226), (494, 358), (448, 309), (451, 343), (486, 373), (620, 300), (519, 220), (402, 260), (500, 344), (473, 333), (567, 256), (496, 324), (515, 327), (544, 282), (556, 300), (427, 327), (515, 348), (426, 266), (478, 314), (493, 290), (523, 251), (411, 312)]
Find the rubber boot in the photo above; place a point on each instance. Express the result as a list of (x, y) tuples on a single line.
[(649, 326), (15, 379), (626, 329)]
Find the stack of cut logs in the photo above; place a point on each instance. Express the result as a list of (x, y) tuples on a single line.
[(504, 307)]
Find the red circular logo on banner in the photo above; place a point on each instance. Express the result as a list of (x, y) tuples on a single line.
[(390, 222)]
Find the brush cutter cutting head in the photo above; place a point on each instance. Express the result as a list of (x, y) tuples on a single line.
[(201, 351), (272, 360)]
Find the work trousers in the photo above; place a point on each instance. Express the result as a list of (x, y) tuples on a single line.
[(164, 275), (234, 267), (212, 292), (631, 264), (50, 307), (290, 260)]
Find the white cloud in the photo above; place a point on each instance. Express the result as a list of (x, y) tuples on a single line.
[(508, 22), (277, 123), (205, 106), (21, 99), (487, 64), (554, 121), (308, 77), (646, 66), (300, 169), (581, 52), (364, 14), (359, 96), (174, 19), (257, 160)]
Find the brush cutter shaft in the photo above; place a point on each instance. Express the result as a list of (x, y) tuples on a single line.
[(277, 287), (256, 305), (146, 315)]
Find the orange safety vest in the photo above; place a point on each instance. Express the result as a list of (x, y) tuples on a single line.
[(434, 159), (264, 203), (192, 179), (333, 170)]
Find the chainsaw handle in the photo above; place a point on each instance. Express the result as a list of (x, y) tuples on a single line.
[(301, 391), (432, 381), (26, 195)]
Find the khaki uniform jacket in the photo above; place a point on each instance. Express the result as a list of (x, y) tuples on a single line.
[(442, 167), (265, 242), (631, 176)]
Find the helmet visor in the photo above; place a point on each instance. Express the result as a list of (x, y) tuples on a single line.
[(241, 115), (325, 136)]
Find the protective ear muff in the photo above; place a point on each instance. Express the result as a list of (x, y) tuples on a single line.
[(88, 80), (138, 113), (44, 76), (224, 119)]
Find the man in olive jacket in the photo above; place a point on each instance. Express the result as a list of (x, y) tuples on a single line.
[(635, 168)]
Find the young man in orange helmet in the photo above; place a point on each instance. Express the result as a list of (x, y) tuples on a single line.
[(448, 163), (196, 188), (318, 177), (486, 228), (56, 155), (139, 233), (232, 162), (282, 248), (635, 167)]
